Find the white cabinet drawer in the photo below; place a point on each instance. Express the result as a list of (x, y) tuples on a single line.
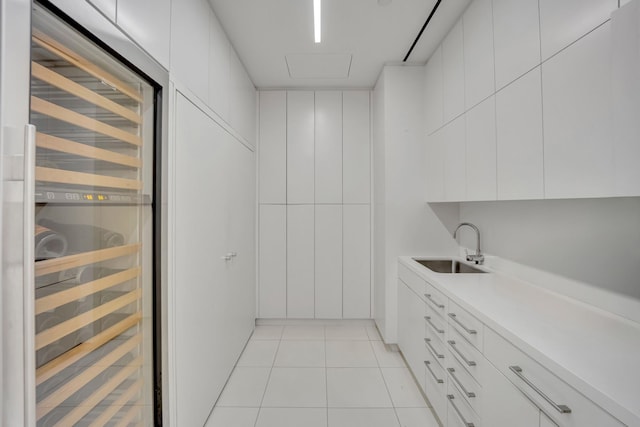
[(459, 413), (435, 386), (435, 347), (466, 354), (434, 323), (436, 299), (470, 390), (465, 323), (411, 279), (565, 405)]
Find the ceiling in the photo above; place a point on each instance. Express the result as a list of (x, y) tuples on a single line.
[(274, 38)]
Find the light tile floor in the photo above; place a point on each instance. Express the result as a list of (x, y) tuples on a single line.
[(320, 376)]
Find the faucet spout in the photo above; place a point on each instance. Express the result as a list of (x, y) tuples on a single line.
[(478, 258)]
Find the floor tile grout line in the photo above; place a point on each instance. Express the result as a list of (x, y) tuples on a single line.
[(266, 386), (326, 374)]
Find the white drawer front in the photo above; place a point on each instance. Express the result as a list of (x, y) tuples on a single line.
[(459, 412), (435, 347), (465, 323), (436, 299), (467, 355), (412, 280), (435, 324), (566, 406), (468, 387), (435, 386)]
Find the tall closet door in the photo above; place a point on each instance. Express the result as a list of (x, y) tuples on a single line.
[(300, 261), (200, 273)]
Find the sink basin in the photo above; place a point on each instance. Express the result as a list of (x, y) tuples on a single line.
[(451, 266)]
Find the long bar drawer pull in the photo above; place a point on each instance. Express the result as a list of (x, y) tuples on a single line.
[(428, 319), (427, 341), (438, 380), (457, 380), (467, 424), (436, 303), (467, 361), (455, 319), (563, 409)]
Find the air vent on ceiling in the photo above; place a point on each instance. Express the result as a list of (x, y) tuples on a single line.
[(319, 66)]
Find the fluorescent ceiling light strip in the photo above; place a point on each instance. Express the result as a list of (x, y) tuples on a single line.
[(317, 20)]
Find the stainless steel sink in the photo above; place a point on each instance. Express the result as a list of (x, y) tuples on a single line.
[(450, 266)]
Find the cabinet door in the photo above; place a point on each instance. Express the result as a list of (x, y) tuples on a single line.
[(578, 154), (108, 7), (481, 151), (300, 261), (519, 139), (190, 45), (433, 92), (356, 147), (453, 73), (328, 147), (203, 361), (516, 38), (435, 167), (328, 261), (478, 52), (455, 160), (357, 262), (546, 421), (219, 69), (146, 22), (272, 147), (300, 147), (272, 267), (242, 100), (411, 329)]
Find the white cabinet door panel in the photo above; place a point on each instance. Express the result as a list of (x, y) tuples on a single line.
[(328, 261), (356, 147), (578, 154), (328, 147), (453, 73), (300, 261), (516, 32), (435, 167), (219, 71), (300, 147), (147, 21), (190, 45), (519, 139), (242, 101), (546, 421), (626, 99), (481, 151), (454, 146), (357, 262), (434, 92), (564, 22), (272, 149), (478, 52), (108, 7), (272, 268)]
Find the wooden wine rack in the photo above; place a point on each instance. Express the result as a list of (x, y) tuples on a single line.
[(99, 380)]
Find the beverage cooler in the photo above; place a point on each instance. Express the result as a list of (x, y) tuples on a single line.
[(93, 284)]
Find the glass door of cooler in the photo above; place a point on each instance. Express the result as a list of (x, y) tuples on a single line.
[(94, 286)]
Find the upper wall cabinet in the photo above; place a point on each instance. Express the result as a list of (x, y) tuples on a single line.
[(242, 100), (481, 151), (434, 92), (300, 147), (190, 45), (516, 32), (356, 147), (147, 22), (478, 52), (272, 152), (578, 154), (219, 69), (564, 22), (328, 147), (453, 73)]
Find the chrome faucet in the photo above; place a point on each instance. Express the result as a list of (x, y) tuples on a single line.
[(478, 258)]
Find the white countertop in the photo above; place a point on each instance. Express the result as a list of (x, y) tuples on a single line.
[(594, 351)]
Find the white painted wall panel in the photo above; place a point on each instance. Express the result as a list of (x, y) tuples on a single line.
[(481, 151), (356, 147), (328, 261), (242, 101), (190, 45), (272, 147), (563, 22), (357, 262), (434, 92), (478, 52), (300, 261), (578, 154), (272, 262), (519, 139), (455, 158), (147, 21), (300, 147), (328, 147), (453, 73), (220, 52), (516, 31)]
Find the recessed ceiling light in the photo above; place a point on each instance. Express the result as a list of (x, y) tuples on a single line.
[(317, 20)]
